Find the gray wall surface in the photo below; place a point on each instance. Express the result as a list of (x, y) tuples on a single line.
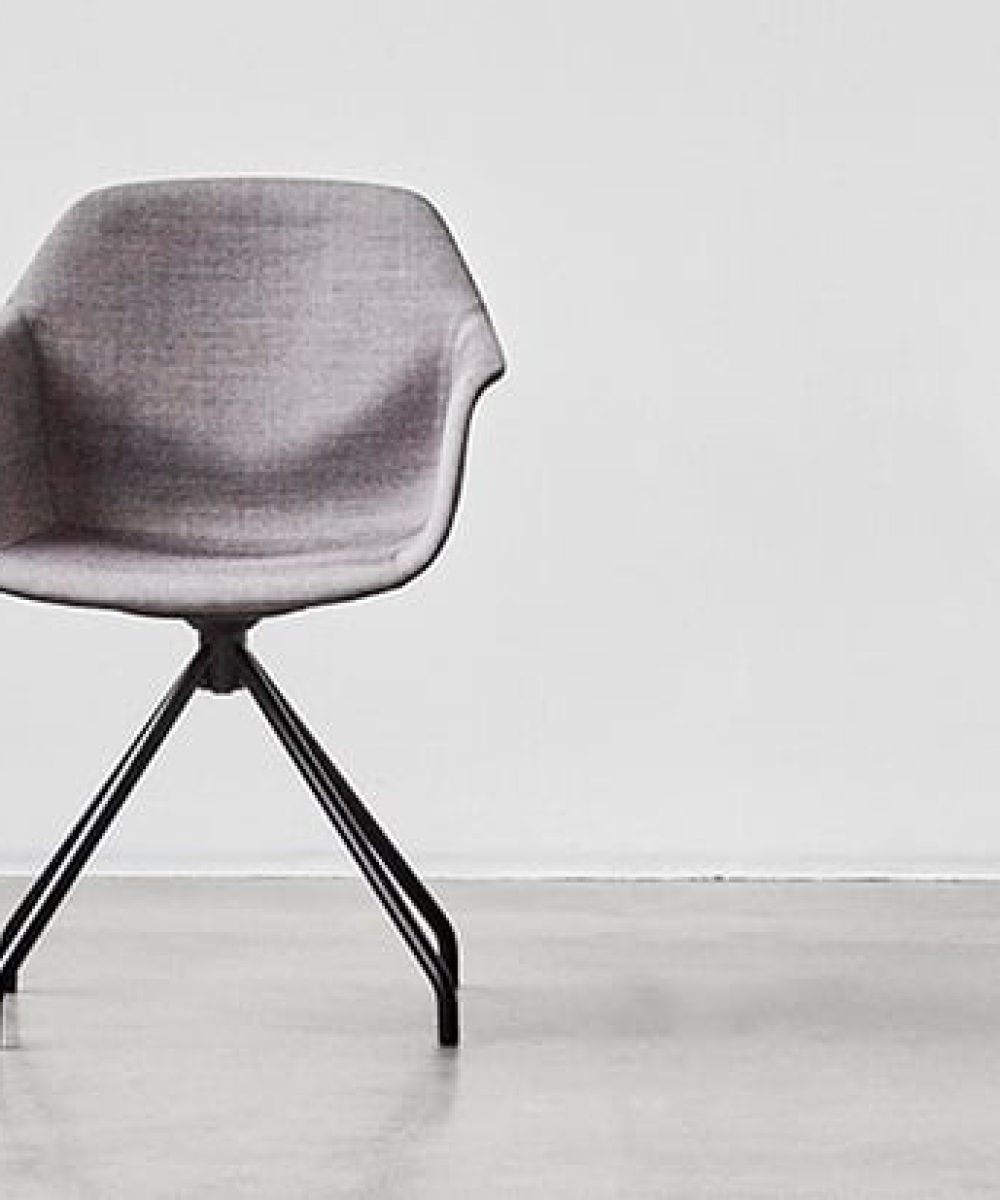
[(724, 592)]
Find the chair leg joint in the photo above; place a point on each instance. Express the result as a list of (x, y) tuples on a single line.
[(224, 643)]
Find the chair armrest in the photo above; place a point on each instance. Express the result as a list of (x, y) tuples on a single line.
[(25, 497), (473, 361)]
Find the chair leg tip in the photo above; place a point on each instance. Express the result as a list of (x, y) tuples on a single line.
[(448, 1031)]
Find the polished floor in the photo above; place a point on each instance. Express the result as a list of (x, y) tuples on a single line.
[(180, 1038)]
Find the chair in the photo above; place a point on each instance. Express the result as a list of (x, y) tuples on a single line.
[(225, 399)]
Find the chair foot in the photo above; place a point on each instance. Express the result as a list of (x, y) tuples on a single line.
[(448, 1030)]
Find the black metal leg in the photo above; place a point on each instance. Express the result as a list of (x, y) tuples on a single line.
[(38, 907), (302, 749), (30, 901), (223, 665), (17, 920), (407, 879)]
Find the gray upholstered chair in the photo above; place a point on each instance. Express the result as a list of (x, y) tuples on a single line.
[(226, 399)]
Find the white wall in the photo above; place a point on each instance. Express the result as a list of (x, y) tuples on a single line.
[(724, 593)]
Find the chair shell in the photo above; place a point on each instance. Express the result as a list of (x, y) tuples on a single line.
[(236, 397)]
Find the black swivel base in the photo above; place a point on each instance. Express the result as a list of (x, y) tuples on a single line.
[(223, 664)]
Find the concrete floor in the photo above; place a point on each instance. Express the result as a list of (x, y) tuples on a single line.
[(238, 1039)]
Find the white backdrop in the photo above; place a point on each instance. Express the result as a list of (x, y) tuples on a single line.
[(724, 593)]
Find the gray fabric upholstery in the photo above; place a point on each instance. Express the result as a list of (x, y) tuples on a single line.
[(25, 498), (236, 396)]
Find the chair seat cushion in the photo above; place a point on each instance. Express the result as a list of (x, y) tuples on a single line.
[(71, 566)]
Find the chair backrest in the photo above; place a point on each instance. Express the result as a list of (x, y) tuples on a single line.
[(247, 364)]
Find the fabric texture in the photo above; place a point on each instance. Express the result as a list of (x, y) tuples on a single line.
[(25, 498), (236, 396)]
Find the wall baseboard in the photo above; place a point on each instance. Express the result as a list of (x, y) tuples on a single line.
[(568, 877), (679, 867)]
